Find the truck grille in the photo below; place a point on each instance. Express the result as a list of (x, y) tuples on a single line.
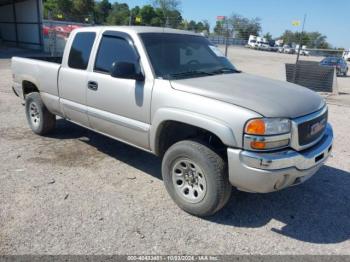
[(313, 129)]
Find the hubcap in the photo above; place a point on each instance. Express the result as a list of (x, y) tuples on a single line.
[(34, 114), (189, 180)]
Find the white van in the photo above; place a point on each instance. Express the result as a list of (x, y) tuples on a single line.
[(346, 55), (252, 42)]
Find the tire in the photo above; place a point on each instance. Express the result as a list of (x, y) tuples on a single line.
[(40, 120), (189, 167)]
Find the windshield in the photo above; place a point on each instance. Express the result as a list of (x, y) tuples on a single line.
[(176, 56)]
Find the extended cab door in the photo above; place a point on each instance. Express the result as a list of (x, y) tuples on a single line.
[(119, 107), (72, 79)]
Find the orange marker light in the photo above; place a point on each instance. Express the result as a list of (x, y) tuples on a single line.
[(255, 127), (258, 145)]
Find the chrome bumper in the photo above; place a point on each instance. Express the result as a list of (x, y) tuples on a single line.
[(268, 172)]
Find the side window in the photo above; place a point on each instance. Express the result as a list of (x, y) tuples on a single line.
[(81, 49), (113, 49)]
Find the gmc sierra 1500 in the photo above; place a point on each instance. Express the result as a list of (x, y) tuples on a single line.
[(173, 94)]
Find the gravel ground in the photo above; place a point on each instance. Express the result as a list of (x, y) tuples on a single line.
[(77, 192)]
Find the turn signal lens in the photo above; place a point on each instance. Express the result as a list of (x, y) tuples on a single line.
[(265, 145), (258, 145), (255, 127)]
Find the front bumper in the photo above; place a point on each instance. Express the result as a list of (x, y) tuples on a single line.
[(268, 172)]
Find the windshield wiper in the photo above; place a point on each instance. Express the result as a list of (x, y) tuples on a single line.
[(226, 70), (191, 73)]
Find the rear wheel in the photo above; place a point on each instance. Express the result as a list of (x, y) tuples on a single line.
[(196, 178), (40, 120)]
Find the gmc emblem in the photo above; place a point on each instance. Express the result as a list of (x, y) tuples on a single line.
[(317, 127)]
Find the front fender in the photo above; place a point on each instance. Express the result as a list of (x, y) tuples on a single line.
[(217, 127)]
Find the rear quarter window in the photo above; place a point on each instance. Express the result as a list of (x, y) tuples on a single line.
[(81, 49)]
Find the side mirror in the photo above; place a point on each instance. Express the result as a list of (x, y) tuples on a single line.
[(127, 70)]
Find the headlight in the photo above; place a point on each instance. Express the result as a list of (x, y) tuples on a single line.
[(268, 126), (267, 133)]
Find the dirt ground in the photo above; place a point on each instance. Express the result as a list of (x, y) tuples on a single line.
[(77, 192)]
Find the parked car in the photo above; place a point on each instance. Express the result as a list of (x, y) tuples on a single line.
[(288, 50), (303, 50), (173, 94), (280, 49), (264, 46), (338, 62), (346, 55)]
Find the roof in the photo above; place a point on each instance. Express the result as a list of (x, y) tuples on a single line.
[(139, 29)]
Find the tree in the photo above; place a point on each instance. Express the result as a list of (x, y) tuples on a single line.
[(310, 39), (58, 7), (135, 12), (102, 10), (147, 13), (219, 28), (268, 37), (170, 10), (167, 5), (163, 12), (83, 9), (243, 27), (174, 19), (192, 25), (206, 26), (119, 15)]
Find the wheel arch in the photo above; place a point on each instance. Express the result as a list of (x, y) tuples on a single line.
[(29, 86), (192, 121)]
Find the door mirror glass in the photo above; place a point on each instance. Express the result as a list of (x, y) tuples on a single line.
[(126, 70)]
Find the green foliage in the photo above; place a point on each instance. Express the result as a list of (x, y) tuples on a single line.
[(239, 26), (268, 37), (102, 10), (310, 39), (243, 27), (219, 28), (148, 13), (54, 8), (162, 13), (166, 13), (119, 15)]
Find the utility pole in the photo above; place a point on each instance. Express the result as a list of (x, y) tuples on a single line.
[(301, 39), (223, 20), (226, 38)]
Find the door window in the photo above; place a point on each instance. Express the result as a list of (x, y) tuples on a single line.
[(81, 49), (113, 49)]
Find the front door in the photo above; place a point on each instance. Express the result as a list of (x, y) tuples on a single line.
[(118, 107)]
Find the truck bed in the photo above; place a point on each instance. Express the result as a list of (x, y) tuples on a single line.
[(52, 59), (42, 72)]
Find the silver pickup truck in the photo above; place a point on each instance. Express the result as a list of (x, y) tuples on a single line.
[(172, 93)]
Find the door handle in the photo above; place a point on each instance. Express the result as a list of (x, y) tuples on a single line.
[(92, 85)]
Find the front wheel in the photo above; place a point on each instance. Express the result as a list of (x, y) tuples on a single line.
[(40, 120), (196, 178)]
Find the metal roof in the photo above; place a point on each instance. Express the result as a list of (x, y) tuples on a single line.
[(9, 2)]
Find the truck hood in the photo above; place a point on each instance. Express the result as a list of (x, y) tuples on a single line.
[(270, 98)]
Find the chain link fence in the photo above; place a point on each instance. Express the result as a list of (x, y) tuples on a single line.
[(302, 62)]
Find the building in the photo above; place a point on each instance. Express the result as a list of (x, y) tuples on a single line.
[(21, 23)]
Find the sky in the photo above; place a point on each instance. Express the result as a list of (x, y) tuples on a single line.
[(331, 18)]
